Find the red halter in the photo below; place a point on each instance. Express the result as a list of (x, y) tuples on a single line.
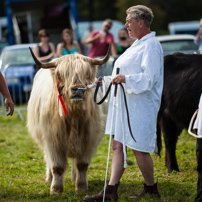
[(61, 101)]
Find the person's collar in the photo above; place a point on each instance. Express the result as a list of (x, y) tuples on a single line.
[(151, 34)]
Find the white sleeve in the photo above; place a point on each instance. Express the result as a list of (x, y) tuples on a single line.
[(151, 67), (105, 83)]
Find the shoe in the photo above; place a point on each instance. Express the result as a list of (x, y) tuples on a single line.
[(110, 195), (147, 190)]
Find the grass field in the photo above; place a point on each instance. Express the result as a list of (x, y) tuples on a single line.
[(22, 170)]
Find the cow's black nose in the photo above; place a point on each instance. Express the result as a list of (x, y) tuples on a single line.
[(78, 91)]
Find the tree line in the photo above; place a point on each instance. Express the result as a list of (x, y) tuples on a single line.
[(164, 11)]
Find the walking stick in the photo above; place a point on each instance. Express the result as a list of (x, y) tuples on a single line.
[(110, 139)]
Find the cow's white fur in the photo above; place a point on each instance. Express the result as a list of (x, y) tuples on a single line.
[(73, 136)]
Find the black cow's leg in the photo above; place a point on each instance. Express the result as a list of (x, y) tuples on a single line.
[(199, 169), (170, 133)]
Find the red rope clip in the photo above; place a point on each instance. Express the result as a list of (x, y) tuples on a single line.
[(61, 101)]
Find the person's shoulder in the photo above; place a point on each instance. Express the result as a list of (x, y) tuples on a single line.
[(94, 32), (36, 46), (60, 45), (50, 44), (75, 43), (110, 34), (153, 44), (152, 39)]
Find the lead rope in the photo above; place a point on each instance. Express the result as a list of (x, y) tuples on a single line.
[(191, 124), (124, 147)]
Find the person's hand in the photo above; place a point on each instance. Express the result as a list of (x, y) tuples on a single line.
[(9, 104), (98, 35), (98, 80), (119, 79)]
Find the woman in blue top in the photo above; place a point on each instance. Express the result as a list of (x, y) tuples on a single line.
[(68, 46)]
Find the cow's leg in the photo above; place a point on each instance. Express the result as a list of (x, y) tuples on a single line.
[(73, 171), (49, 175), (58, 163), (81, 167), (199, 169), (170, 133)]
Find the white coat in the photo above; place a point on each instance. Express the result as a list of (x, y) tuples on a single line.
[(142, 65)]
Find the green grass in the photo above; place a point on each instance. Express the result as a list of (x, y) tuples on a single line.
[(22, 170)]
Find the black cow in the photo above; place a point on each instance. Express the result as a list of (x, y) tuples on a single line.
[(180, 99)]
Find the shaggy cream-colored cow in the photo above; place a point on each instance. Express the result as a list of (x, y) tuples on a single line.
[(75, 135)]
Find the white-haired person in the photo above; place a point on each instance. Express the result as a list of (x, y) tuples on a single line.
[(141, 74)]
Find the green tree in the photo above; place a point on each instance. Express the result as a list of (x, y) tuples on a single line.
[(96, 9), (182, 10)]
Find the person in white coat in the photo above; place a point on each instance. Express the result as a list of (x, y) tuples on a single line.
[(141, 74)]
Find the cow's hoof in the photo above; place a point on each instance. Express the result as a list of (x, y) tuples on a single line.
[(170, 170), (49, 180), (81, 188), (56, 190)]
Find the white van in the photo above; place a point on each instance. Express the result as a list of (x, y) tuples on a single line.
[(187, 27)]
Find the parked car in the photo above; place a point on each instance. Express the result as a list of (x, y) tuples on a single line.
[(18, 69), (178, 43), (2, 45)]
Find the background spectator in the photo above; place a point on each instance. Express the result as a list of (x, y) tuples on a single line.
[(100, 41), (45, 50), (68, 45), (123, 42), (5, 92), (85, 35), (199, 37)]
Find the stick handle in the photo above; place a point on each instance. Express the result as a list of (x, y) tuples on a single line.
[(117, 72)]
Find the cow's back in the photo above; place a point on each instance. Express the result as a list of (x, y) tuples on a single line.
[(180, 98), (182, 86)]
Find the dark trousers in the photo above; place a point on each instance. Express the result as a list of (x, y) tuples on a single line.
[(199, 169)]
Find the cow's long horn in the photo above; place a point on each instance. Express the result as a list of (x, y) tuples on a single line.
[(42, 65), (102, 61)]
